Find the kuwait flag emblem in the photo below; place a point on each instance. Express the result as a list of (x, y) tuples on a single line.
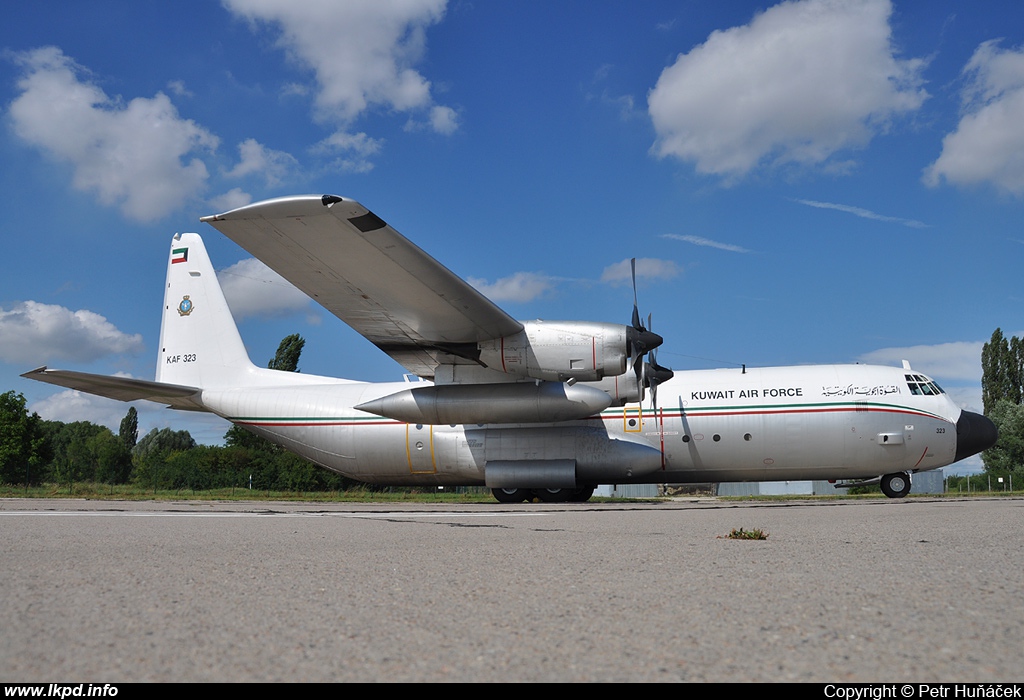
[(179, 255)]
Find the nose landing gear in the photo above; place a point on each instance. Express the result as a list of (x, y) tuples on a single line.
[(896, 485)]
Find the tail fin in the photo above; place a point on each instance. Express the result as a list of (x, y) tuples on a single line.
[(199, 341)]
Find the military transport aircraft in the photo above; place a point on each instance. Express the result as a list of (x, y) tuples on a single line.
[(544, 409)]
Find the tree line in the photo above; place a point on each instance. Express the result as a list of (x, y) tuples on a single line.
[(36, 451)]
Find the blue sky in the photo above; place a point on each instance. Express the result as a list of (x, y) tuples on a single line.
[(805, 182)]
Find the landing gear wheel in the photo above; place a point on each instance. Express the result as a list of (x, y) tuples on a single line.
[(582, 495), (512, 495), (553, 495), (896, 485)]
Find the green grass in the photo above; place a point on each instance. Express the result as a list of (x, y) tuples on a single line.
[(752, 534), (126, 492)]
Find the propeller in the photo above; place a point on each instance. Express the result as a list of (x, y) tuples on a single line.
[(642, 341), (655, 374), (639, 340)]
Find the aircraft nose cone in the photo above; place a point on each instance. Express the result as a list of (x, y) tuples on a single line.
[(974, 433)]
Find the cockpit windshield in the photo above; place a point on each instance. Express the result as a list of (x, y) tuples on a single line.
[(921, 385)]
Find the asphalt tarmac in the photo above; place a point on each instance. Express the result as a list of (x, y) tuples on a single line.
[(916, 590)]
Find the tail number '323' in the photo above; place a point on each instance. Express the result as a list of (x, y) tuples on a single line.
[(174, 359)]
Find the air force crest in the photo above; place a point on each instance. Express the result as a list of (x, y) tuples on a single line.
[(185, 307)]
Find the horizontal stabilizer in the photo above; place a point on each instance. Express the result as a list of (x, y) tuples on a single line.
[(185, 398)]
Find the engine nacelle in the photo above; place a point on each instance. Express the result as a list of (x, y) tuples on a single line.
[(560, 350), (623, 388), (520, 402)]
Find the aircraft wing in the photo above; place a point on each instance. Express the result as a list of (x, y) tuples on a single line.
[(370, 276), (121, 388)]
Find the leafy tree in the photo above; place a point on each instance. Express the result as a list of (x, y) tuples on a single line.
[(129, 432), (65, 438), (1002, 370), (84, 451), (164, 440), (153, 453), (1007, 455), (112, 460), (22, 441), (1002, 393), (287, 357)]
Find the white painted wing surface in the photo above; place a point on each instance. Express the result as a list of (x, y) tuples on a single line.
[(370, 276)]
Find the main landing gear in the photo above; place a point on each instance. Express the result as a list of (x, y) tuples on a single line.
[(581, 495), (896, 485)]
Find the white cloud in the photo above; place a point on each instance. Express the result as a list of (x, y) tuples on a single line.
[(700, 240), (988, 144), (354, 149), (960, 361), (966, 397), (69, 406), (801, 81), (863, 213), (253, 289), (130, 155), (363, 52), (255, 158), (646, 268), (520, 287), (232, 199), (444, 120), (178, 88), (35, 333)]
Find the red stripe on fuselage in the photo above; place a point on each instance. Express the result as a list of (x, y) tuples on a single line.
[(284, 424), (877, 409)]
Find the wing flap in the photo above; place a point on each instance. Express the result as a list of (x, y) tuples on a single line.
[(121, 388), (370, 276)]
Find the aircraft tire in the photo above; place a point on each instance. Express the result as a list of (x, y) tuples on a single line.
[(554, 495), (896, 485), (582, 495), (512, 495)]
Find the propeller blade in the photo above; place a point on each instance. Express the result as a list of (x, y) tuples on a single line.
[(637, 324)]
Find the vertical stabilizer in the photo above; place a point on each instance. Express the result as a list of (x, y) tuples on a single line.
[(199, 342)]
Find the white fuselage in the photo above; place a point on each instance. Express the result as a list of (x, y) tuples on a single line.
[(812, 422)]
